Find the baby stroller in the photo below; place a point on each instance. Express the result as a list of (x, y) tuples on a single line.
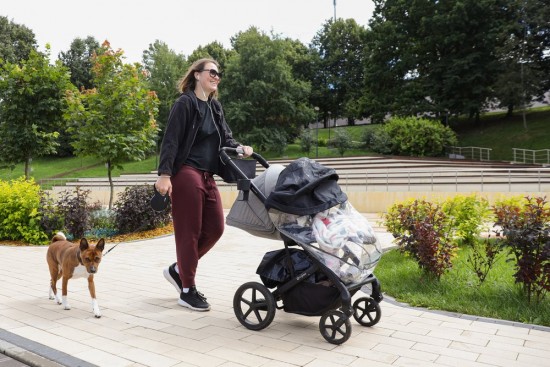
[(329, 249)]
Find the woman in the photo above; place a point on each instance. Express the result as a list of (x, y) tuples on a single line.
[(189, 157)]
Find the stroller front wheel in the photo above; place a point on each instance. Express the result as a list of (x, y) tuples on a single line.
[(335, 327), (254, 306), (366, 306)]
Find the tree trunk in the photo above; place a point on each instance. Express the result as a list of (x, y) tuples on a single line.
[(510, 111), (28, 168), (111, 186)]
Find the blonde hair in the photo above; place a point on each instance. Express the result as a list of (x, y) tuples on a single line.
[(189, 82)]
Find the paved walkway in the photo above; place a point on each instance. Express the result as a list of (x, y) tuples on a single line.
[(142, 324)]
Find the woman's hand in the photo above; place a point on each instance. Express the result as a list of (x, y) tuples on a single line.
[(164, 185), (247, 151)]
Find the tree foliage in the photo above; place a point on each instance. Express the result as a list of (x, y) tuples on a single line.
[(213, 50), (78, 59), (339, 68), (165, 67), (31, 108), (260, 89), (16, 41), (115, 121), (525, 65), (437, 57)]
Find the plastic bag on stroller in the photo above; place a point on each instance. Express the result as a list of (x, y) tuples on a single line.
[(340, 237)]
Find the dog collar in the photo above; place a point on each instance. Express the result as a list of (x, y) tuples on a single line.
[(78, 257)]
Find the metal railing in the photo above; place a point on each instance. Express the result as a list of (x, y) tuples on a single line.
[(540, 156), (486, 180), (476, 153), (457, 180)]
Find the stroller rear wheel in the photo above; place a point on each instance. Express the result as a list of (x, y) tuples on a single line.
[(369, 308), (254, 306), (335, 327)]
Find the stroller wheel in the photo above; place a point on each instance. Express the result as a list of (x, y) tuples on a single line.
[(335, 327), (367, 311), (254, 306)]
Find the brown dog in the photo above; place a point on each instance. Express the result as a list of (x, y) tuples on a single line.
[(70, 260)]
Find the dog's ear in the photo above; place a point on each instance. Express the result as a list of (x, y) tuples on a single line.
[(83, 244), (100, 245)]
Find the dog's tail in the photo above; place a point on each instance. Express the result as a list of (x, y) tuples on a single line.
[(59, 236)]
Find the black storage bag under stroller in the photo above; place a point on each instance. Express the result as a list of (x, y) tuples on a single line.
[(312, 296)]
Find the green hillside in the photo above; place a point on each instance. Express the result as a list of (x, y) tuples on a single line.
[(501, 133)]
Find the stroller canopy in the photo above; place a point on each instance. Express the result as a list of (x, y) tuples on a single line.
[(305, 187)]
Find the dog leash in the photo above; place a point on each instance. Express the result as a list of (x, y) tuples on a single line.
[(105, 254)]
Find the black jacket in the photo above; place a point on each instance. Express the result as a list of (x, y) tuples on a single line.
[(181, 129), (305, 187)]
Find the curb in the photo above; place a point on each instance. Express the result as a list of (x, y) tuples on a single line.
[(35, 354)]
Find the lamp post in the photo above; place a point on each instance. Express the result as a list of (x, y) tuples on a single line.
[(316, 131), (328, 125)]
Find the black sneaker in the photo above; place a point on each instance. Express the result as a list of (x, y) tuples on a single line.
[(194, 300), (173, 277)]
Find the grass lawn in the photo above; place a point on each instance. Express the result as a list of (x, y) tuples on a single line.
[(459, 290)]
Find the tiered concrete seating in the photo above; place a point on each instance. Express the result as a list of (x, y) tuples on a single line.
[(394, 174)]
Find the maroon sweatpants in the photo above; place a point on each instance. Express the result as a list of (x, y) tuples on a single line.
[(197, 214)]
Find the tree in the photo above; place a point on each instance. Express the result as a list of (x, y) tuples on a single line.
[(341, 141), (433, 57), (31, 108), (115, 121), (78, 59), (523, 55), (16, 41), (165, 67), (260, 90), (340, 46), (213, 50)]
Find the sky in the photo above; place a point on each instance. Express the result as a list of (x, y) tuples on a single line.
[(132, 25)]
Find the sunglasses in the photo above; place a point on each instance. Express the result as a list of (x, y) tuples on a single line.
[(212, 72)]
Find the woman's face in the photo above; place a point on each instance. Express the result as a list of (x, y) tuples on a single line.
[(208, 78)]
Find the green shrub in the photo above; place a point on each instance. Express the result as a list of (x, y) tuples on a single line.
[(468, 214), (482, 258), (341, 141), (377, 140), (416, 137), (306, 141), (133, 212), (19, 212), (277, 142)]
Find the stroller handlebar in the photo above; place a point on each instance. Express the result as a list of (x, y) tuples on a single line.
[(225, 151)]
